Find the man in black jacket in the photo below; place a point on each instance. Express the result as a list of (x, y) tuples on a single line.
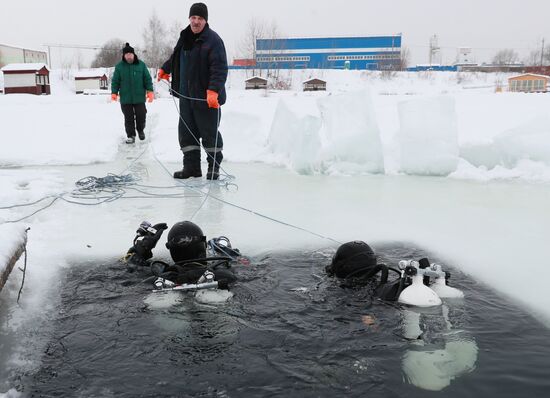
[(198, 67)]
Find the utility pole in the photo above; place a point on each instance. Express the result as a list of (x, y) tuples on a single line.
[(434, 49), (542, 52)]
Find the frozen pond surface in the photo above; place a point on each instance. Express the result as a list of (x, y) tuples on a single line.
[(79, 315)]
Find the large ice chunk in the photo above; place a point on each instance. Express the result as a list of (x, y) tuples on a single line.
[(529, 141), (428, 137), (351, 133), (295, 138)]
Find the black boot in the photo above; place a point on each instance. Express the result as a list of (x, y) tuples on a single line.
[(187, 173), (191, 165), (213, 172)]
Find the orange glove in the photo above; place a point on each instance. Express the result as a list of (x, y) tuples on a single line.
[(163, 75), (212, 99), (150, 96), (114, 97)]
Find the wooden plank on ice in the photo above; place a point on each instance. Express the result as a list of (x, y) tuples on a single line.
[(20, 249)]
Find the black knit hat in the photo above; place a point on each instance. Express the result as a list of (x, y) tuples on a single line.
[(128, 49), (199, 9)]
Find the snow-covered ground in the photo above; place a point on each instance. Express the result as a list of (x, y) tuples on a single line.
[(412, 123), (458, 169)]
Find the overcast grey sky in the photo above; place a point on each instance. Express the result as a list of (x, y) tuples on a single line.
[(484, 25)]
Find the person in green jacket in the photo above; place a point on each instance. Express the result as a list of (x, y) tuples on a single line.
[(132, 82)]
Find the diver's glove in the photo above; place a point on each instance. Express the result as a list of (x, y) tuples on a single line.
[(145, 241)]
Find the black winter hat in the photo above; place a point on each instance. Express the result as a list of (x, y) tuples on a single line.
[(199, 9), (128, 49)]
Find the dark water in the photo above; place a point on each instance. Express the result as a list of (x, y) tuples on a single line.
[(275, 339)]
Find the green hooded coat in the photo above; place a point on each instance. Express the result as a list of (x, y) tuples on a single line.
[(131, 81)]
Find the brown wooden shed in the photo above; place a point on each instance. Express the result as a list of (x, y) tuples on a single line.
[(528, 83), (26, 79), (315, 85), (255, 83)]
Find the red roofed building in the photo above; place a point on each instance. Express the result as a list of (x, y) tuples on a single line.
[(244, 62), (26, 79)]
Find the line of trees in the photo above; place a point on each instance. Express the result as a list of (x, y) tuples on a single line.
[(535, 57), (158, 42), (109, 54), (509, 56)]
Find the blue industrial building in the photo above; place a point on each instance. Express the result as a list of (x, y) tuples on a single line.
[(437, 68), (376, 53)]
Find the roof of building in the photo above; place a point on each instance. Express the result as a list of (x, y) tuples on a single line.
[(528, 74), (23, 47), (256, 78), (24, 67), (90, 73), (314, 80)]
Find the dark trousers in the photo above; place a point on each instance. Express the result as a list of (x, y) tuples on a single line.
[(197, 124), (134, 118)]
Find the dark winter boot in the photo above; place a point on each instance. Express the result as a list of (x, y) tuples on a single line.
[(187, 173), (191, 165), (141, 135), (213, 172), (130, 140)]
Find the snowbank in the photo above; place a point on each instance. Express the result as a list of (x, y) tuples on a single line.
[(367, 122), (12, 237), (49, 130), (529, 141)]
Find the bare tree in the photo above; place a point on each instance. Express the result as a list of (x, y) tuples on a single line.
[(173, 34), (255, 29), (79, 60), (109, 55), (506, 57), (404, 58), (534, 58), (155, 50), (66, 67)]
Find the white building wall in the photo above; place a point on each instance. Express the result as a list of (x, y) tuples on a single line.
[(81, 85), (35, 57), (464, 55), (11, 55), (19, 80)]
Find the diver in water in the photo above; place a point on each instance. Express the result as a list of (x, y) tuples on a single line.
[(356, 263), (438, 351), (197, 263)]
